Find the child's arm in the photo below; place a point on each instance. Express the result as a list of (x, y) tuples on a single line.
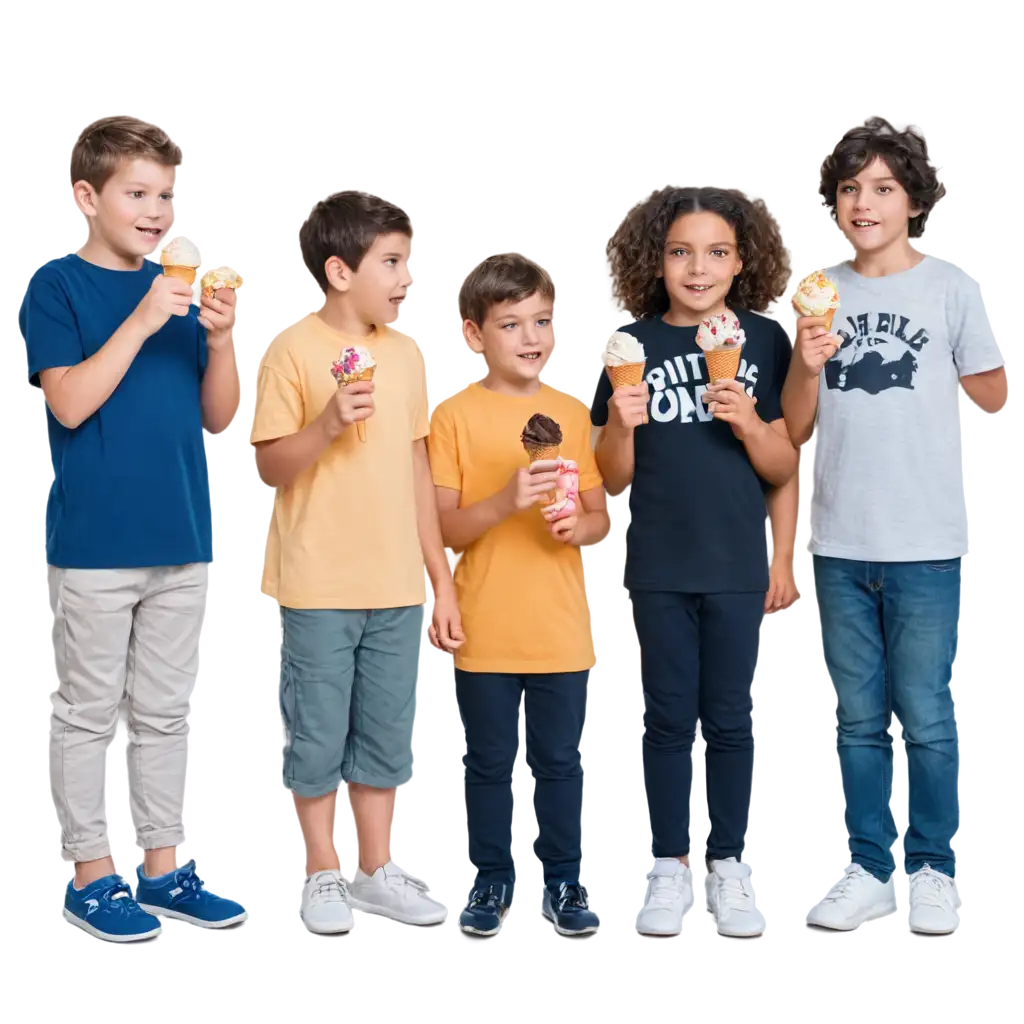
[(614, 449), (814, 348), (220, 390), (446, 628), (783, 503), (587, 527), (281, 460), (461, 526), (987, 390), (74, 393)]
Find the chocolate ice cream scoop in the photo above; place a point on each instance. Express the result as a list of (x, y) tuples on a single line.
[(541, 432)]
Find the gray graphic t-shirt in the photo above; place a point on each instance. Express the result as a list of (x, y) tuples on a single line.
[(888, 485)]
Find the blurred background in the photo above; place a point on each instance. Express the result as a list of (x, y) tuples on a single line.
[(530, 130)]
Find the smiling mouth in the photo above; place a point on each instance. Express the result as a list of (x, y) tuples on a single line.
[(865, 223), (698, 288), (530, 357), (151, 232)]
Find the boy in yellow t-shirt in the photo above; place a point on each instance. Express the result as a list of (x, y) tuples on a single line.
[(354, 521), (520, 551)]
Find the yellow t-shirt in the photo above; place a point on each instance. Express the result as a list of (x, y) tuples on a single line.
[(521, 592), (343, 534)]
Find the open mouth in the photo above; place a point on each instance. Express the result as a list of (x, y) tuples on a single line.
[(698, 289), (862, 224), (530, 357), (397, 300), (151, 233)]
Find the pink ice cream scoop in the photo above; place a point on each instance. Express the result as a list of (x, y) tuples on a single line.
[(567, 494)]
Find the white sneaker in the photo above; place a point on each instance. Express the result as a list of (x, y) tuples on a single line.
[(857, 897), (934, 902), (325, 906), (731, 899), (669, 897), (394, 893)]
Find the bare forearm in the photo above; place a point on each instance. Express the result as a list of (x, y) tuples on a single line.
[(75, 393), (987, 390), (800, 404), (428, 522), (220, 392), (460, 527), (615, 460), (280, 461), (783, 506), (773, 456), (591, 528)]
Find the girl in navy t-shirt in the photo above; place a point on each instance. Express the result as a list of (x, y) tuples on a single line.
[(704, 469)]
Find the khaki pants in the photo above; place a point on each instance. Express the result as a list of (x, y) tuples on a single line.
[(132, 636)]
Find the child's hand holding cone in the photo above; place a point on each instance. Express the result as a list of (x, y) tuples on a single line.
[(815, 301), (625, 362)]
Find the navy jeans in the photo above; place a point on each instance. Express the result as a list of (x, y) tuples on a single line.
[(889, 631), (556, 705), (698, 653)]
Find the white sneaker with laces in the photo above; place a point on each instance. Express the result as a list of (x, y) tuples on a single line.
[(669, 897), (392, 892), (325, 906), (934, 902), (731, 899), (857, 897)]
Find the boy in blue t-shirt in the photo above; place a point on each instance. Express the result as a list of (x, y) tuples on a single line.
[(132, 373)]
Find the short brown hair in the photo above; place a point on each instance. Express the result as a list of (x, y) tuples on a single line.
[(507, 277), (345, 225), (105, 143), (905, 153)]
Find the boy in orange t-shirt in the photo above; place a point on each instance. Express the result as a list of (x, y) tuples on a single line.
[(519, 531)]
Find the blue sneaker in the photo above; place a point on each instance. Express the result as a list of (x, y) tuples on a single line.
[(105, 908), (487, 907), (565, 905), (180, 894)]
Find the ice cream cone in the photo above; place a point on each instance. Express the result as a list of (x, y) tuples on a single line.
[(723, 363), (186, 274), (627, 375), (828, 320), (367, 374), (542, 454)]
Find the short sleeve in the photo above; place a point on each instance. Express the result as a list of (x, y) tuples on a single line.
[(973, 343), (599, 410), (769, 404), (421, 414), (49, 326), (590, 475), (443, 449), (279, 405)]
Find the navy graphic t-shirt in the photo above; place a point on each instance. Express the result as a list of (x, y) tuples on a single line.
[(697, 506), (130, 485)]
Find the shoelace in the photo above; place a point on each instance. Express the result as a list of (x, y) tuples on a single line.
[(334, 890), (841, 890), (571, 895), (492, 897), (189, 882), (666, 889), (735, 895), (932, 889), (400, 880), (118, 898)]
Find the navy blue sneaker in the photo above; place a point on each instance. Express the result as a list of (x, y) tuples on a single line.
[(105, 908), (487, 907), (565, 905), (181, 894)]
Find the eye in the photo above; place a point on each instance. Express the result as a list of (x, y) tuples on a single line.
[(678, 252), (884, 190), (848, 189), (505, 327), (721, 253), (137, 195), (543, 323), (391, 261), (167, 195)]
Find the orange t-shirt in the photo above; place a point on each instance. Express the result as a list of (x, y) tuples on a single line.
[(521, 592), (344, 534)]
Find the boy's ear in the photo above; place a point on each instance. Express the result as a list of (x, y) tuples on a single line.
[(85, 197), (338, 274), (474, 339)]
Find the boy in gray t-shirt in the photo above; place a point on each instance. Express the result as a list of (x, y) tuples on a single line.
[(888, 520)]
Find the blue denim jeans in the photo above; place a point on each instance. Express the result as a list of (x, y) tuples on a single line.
[(889, 630)]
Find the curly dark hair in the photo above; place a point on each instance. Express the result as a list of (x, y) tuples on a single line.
[(636, 250), (905, 154)]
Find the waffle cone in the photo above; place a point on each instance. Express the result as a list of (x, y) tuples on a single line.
[(627, 375), (186, 274), (723, 363), (828, 320), (542, 453), (351, 378)]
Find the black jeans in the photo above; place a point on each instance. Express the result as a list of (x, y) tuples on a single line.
[(555, 709), (697, 656)]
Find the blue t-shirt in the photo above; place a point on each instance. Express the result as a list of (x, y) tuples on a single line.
[(696, 504), (130, 487)]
